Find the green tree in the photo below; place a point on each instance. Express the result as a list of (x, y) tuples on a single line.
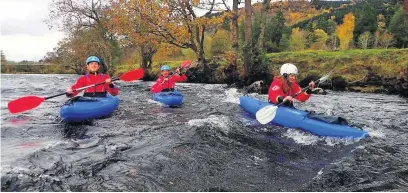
[(274, 32), (297, 40), (365, 39), (366, 20), (399, 28), (221, 42), (320, 40), (3, 58)]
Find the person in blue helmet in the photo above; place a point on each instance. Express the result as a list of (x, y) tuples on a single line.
[(93, 76), (165, 82)]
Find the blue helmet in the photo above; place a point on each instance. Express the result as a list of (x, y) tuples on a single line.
[(165, 67), (93, 59)]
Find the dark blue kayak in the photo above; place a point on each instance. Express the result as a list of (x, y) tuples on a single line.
[(172, 98), (294, 118), (85, 108)]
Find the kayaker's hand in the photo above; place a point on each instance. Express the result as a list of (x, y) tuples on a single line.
[(69, 91), (177, 71), (165, 80), (312, 85), (108, 81), (288, 98)]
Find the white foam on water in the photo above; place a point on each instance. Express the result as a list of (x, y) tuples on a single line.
[(153, 101), (301, 137), (374, 133), (213, 120), (232, 96)]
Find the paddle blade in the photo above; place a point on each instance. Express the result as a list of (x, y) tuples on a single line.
[(185, 64), (24, 103), (132, 75), (266, 114)]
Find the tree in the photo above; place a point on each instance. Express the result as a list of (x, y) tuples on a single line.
[(406, 9), (3, 57), (265, 9), (247, 50), (320, 40), (380, 29), (365, 20), (297, 40), (173, 22), (365, 40), (221, 42), (345, 31), (274, 32), (386, 39), (399, 28), (79, 18)]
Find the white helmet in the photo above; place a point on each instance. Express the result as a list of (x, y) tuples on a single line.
[(288, 68)]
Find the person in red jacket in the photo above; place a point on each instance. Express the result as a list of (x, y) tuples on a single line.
[(92, 77), (284, 87), (165, 82)]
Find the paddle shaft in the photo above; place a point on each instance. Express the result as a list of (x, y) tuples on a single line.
[(79, 89), (298, 93)]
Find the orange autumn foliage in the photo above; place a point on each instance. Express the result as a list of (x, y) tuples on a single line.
[(345, 31)]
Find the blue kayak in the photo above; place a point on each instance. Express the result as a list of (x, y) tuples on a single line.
[(85, 108), (172, 98), (294, 118)]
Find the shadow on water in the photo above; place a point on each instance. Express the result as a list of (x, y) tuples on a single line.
[(207, 144)]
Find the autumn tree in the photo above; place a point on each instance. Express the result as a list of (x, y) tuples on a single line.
[(82, 17), (173, 22), (386, 40), (297, 40), (345, 31), (381, 28)]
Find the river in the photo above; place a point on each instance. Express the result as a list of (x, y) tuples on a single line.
[(209, 144)]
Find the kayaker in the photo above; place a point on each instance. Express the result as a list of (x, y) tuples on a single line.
[(166, 82), (93, 64), (284, 86)]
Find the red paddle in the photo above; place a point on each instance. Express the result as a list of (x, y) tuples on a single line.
[(184, 64), (29, 102)]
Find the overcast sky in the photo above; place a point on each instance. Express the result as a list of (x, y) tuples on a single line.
[(24, 34)]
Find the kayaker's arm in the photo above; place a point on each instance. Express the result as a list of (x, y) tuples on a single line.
[(303, 96), (81, 82), (110, 88), (178, 78)]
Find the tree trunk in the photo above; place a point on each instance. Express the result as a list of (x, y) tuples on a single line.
[(235, 33), (247, 51), (406, 10), (265, 8), (147, 53)]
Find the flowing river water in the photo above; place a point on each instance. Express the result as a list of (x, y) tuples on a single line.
[(209, 144)]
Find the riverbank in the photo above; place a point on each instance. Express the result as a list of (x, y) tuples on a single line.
[(368, 71)]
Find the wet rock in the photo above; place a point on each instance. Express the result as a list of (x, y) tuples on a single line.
[(339, 83), (256, 87)]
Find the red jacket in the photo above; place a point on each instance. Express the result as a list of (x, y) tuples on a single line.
[(275, 91), (90, 79), (161, 84)]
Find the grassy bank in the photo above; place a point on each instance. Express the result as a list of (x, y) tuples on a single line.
[(351, 64)]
